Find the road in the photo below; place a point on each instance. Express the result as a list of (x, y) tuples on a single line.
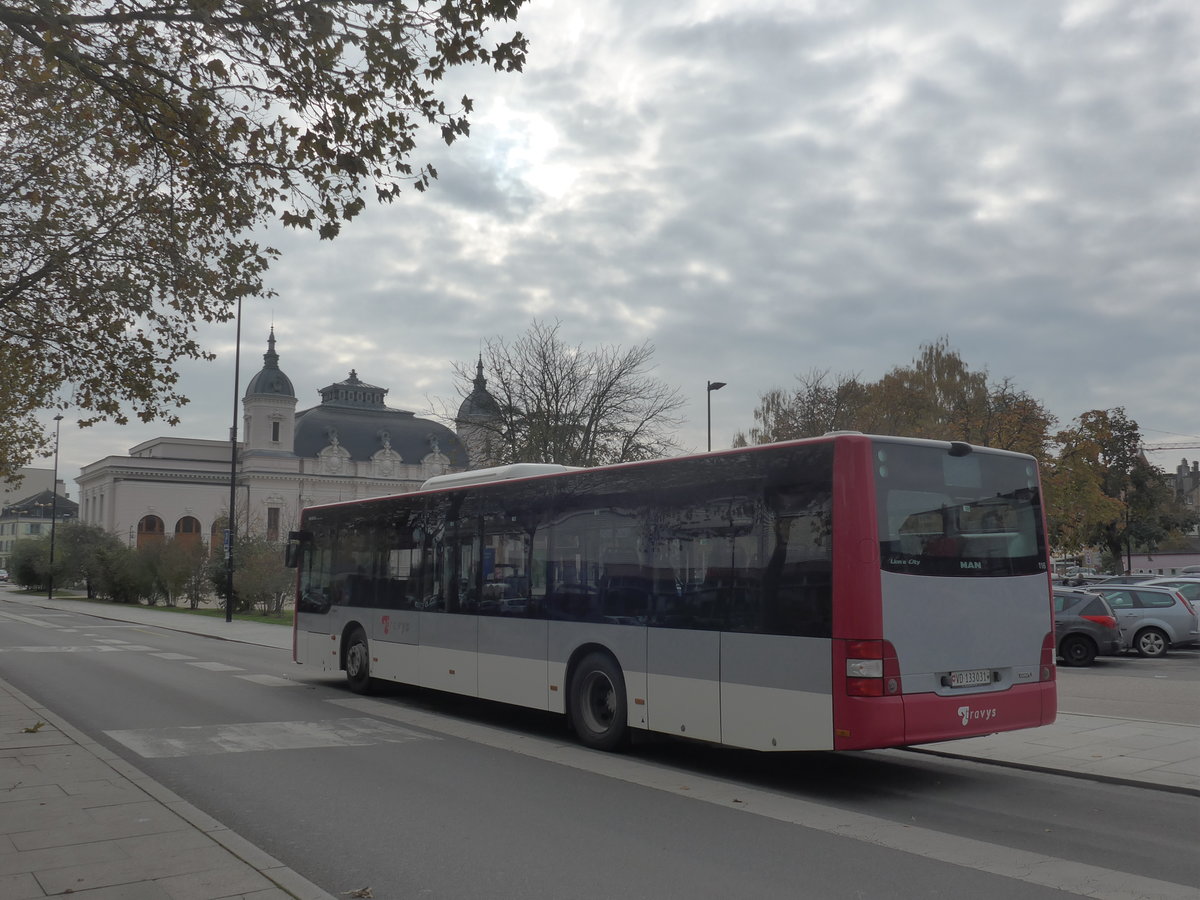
[(416, 794), (1127, 686)]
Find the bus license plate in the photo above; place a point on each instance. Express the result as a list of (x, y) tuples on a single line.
[(971, 678)]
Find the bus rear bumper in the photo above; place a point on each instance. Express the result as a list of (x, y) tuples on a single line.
[(867, 723)]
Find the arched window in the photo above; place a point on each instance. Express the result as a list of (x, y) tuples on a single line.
[(187, 531), (149, 531)]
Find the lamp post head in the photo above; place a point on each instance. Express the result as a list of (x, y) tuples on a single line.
[(716, 385)]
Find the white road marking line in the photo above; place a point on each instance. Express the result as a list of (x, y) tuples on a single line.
[(27, 620), (1022, 865), (175, 656), (216, 667), (87, 648), (268, 680), (209, 740)]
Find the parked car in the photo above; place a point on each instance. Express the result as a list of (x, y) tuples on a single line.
[(1189, 586), (1153, 618), (3, 576), (1126, 579), (1084, 626)]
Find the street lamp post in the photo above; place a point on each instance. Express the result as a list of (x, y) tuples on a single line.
[(54, 504), (712, 386), (231, 531)]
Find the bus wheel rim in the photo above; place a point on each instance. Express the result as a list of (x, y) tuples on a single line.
[(354, 659), (599, 702)]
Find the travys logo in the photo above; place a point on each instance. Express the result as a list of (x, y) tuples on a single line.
[(969, 715)]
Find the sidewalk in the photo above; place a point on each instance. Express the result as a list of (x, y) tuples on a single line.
[(76, 818), (1159, 755)]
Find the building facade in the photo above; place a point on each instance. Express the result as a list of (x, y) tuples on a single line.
[(21, 504), (349, 446), (1187, 487), (31, 518)]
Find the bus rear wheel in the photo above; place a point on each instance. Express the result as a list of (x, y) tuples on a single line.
[(358, 662), (597, 702)]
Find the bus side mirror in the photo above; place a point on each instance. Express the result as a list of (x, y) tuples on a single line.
[(298, 542)]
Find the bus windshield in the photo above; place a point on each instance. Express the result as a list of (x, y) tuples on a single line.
[(976, 514)]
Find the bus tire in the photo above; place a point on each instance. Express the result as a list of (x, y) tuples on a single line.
[(1150, 642), (358, 662), (1077, 650), (597, 702)]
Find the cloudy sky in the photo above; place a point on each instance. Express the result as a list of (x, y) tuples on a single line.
[(761, 189)]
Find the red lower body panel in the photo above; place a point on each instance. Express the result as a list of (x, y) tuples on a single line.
[(865, 723)]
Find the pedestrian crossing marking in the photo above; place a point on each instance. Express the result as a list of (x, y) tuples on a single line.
[(244, 737), (267, 680), (216, 667)]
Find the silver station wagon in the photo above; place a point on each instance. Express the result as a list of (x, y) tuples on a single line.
[(1153, 618)]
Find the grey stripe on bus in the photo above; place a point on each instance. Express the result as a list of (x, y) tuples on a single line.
[(757, 660)]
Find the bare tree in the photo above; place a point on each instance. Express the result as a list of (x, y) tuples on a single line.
[(819, 404), (563, 404)]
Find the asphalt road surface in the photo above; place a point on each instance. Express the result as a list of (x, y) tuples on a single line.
[(416, 794), (1129, 687)]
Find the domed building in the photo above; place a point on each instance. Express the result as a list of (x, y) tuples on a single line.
[(477, 422), (349, 446)]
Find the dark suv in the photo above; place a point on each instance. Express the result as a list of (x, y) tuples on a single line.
[(1084, 626)]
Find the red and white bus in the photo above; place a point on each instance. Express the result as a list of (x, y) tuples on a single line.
[(845, 592)]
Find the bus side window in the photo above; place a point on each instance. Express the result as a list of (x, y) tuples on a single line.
[(797, 584)]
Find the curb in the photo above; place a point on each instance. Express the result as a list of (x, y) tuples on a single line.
[(1066, 773)]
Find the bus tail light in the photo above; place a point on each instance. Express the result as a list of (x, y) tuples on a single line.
[(872, 669), (1048, 656)]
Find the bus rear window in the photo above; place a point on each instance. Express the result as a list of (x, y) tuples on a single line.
[(974, 515)]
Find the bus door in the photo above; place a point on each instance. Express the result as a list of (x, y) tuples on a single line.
[(513, 631), (448, 626), (683, 645)]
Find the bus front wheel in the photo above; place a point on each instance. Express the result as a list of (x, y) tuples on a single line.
[(598, 705), (358, 662)]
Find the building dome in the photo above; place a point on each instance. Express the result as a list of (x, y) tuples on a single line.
[(479, 404), (270, 380), (353, 417)]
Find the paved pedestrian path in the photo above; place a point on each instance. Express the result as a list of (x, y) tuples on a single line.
[(76, 818), (1161, 755)]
